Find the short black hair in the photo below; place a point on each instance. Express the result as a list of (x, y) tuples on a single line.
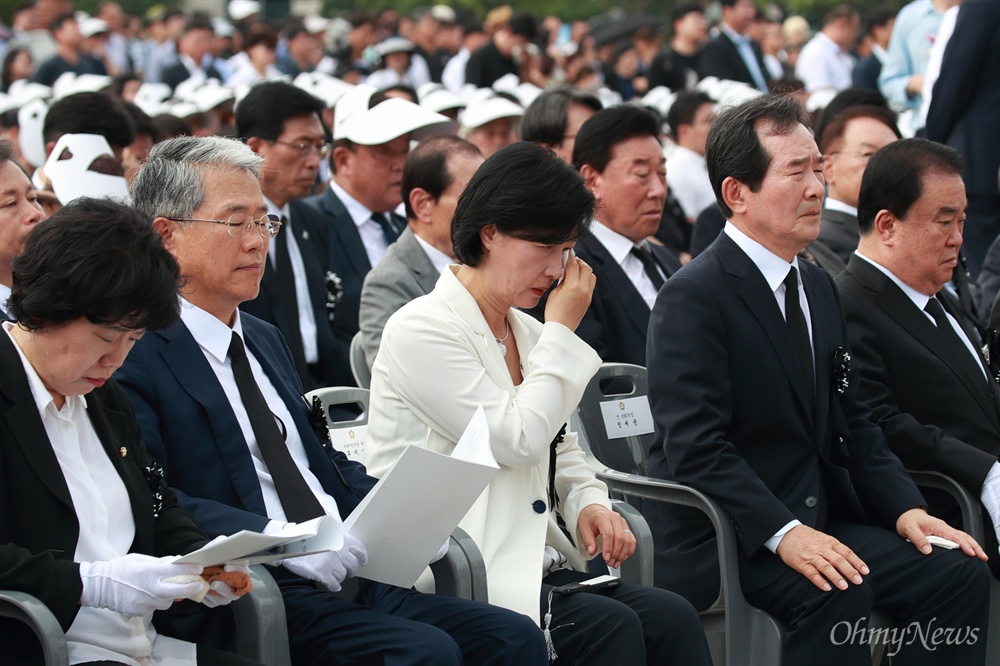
[(169, 126), (523, 24), (607, 128), (140, 120), (685, 108), (426, 167), (57, 22), (89, 113), (264, 110), (544, 121), (682, 10), (893, 179), (848, 97), (528, 192), (99, 259), (877, 18), (734, 148), (835, 128)]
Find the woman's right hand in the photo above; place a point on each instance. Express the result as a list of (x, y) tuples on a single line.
[(569, 301)]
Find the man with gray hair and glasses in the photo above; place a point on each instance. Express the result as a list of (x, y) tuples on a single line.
[(220, 406)]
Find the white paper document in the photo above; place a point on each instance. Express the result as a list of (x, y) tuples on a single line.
[(419, 502), (313, 536)]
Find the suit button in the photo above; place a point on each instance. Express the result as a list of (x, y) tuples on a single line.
[(811, 501), (538, 506)]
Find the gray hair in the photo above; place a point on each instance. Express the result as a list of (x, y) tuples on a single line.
[(169, 184)]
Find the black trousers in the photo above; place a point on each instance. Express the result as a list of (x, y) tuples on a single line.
[(626, 624), (939, 603), (206, 655), (394, 626)]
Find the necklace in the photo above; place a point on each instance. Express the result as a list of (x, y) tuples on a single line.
[(501, 341)]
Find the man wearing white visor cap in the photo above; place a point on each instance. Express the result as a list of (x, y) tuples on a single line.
[(371, 139)]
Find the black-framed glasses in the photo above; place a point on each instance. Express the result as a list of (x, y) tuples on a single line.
[(268, 226), (305, 147)]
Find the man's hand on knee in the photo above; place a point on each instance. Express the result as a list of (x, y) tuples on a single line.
[(916, 525), (821, 558)]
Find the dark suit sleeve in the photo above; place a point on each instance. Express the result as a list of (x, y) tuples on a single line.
[(918, 445), (475, 69), (690, 393), (714, 61), (214, 517), (55, 582), (961, 71)]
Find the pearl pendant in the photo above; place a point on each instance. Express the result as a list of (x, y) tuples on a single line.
[(503, 348)]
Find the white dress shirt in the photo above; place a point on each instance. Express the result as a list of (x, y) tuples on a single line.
[(823, 65), (307, 318), (620, 249), (687, 177), (775, 270), (834, 204), (214, 338), (370, 230), (107, 529), (990, 494), (439, 260)]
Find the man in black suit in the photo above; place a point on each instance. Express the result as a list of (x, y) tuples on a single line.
[(963, 114), (354, 217), (847, 143), (619, 155), (934, 399), (732, 54), (755, 404), (282, 124), (192, 47)]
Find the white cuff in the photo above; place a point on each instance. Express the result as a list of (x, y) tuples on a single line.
[(772, 543), (991, 498)]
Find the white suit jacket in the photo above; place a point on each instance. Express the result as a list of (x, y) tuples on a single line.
[(437, 363)]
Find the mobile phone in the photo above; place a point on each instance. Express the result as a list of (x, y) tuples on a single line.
[(589, 585), (565, 258)]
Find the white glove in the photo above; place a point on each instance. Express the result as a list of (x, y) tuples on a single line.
[(135, 585), (331, 568), (220, 594), (442, 551)]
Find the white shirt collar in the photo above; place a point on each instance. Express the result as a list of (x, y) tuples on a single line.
[(272, 209), (827, 43), (772, 267), (833, 204), (617, 245), (355, 208), (38, 391), (919, 299), (880, 53), (732, 34), (439, 259), (688, 155), (208, 331)]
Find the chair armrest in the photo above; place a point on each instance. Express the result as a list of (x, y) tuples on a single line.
[(452, 574), (749, 630), (26, 608), (972, 511), (476, 565), (261, 628), (637, 569)]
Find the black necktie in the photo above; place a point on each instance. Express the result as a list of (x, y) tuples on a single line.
[(796, 322), (388, 231), (289, 298), (947, 331), (297, 499), (649, 265)]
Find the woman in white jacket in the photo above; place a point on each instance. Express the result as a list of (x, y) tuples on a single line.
[(464, 345)]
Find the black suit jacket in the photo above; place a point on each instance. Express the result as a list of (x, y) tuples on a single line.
[(342, 252), (865, 74), (721, 59), (839, 232), (938, 412), (731, 420), (39, 529), (963, 111), (178, 73), (269, 306)]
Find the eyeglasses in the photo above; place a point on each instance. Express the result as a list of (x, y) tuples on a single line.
[(306, 147), (267, 225)]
